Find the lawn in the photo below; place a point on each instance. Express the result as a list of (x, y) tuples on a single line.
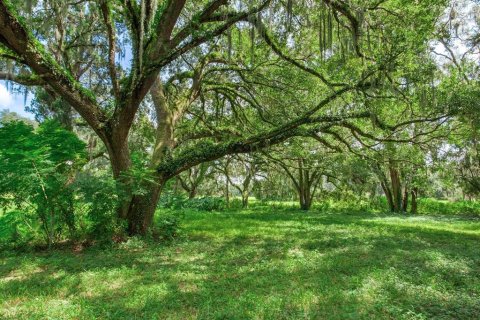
[(260, 264)]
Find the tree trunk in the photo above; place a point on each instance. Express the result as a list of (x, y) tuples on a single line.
[(413, 208), (227, 194), (388, 195), (192, 193), (304, 196), (120, 162), (142, 210), (405, 200), (302, 186), (305, 203), (396, 189), (373, 192), (119, 155), (68, 211), (137, 210), (245, 200), (305, 199)]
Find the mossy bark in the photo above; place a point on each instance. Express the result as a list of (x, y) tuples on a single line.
[(142, 210)]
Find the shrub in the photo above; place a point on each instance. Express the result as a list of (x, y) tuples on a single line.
[(235, 203), (98, 197), (205, 204), (167, 226), (36, 170), (433, 206), (171, 200), (17, 228)]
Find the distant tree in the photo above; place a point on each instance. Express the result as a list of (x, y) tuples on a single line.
[(191, 179), (240, 173), (309, 165), (9, 116)]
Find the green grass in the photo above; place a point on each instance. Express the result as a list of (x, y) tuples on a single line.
[(260, 264)]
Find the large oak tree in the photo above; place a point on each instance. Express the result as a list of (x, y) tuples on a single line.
[(208, 68)]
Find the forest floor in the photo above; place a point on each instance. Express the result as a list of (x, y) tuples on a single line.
[(260, 264)]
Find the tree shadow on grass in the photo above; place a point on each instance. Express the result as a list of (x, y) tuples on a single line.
[(316, 266)]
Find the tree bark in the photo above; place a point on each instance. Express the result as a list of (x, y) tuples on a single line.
[(245, 199), (396, 189), (305, 198), (139, 210), (227, 193), (142, 210), (306, 182), (388, 195), (305, 203), (120, 162), (192, 193), (405, 200), (414, 193)]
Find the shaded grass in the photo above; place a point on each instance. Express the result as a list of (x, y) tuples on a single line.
[(261, 264)]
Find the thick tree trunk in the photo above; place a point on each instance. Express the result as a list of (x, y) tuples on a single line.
[(305, 203), (192, 193), (396, 189), (119, 156), (305, 196), (245, 199), (305, 200), (142, 210), (303, 186), (388, 195), (137, 210)]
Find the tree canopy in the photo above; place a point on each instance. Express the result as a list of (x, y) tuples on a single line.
[(169, 85)]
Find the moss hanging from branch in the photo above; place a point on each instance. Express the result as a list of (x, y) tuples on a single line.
[(252, 45), (325, 30), (369, 41), (289, 19), (29, 4), (141, 36), (330, 29), (229, 44), (239, 40), (339, 39), (321, 31), (357, 38)]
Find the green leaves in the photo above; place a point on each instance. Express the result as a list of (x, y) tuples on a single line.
[(36, 170)]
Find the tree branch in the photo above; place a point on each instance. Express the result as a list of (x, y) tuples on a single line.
[(14, 35), (112, 44), (22, 79)]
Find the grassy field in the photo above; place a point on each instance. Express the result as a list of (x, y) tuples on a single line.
[(260, 264)]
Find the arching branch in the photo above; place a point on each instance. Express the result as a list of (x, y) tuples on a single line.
[(15, 36)]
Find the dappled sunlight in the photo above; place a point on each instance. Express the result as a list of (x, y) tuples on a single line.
[(447, 224), (278, 266), (260, 159)]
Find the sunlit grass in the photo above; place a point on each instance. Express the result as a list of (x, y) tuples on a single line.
[(261, 264)]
